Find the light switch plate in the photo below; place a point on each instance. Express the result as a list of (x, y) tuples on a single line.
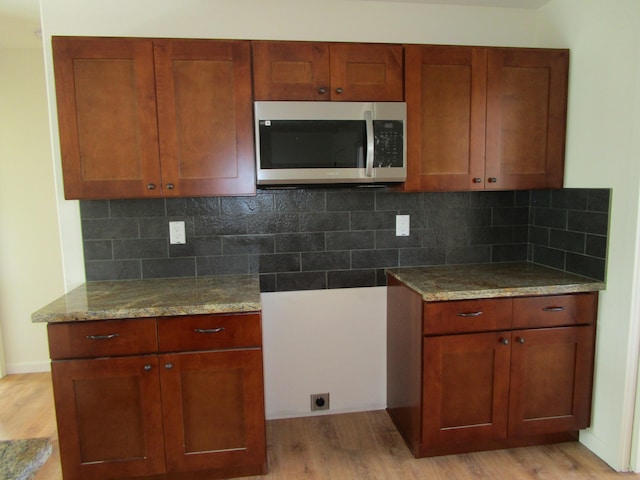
[(176, 233), (402, 225)]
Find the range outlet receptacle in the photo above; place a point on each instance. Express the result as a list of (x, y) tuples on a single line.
[(319, 401)]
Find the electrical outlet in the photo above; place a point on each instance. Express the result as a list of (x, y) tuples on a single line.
[(402, 225), (176, 233), (319, 401)]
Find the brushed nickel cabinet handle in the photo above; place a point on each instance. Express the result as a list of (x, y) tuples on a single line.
[(470, 314), (322, 90), (339, 90), (477, 180), (209, 330), (103, 337), (504, 341), (170, 186), (151, 186), (147, 367), (493, 179), (168, 366), (553, 309), (520, 340)]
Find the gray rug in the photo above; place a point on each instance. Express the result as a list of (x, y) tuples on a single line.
[(21, 459)]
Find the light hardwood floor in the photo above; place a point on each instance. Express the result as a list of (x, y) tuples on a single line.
[(363, 446)]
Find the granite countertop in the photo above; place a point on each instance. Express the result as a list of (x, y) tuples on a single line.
[(153, 298), (461, 282), (21, 459)]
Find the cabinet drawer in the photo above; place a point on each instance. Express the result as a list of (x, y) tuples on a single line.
[(555, 310), (102, 338), (467, 316), (207, 332)]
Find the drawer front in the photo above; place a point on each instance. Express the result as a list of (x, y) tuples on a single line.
[(555, 310), (467, 316), (105, 338), (209, 332)]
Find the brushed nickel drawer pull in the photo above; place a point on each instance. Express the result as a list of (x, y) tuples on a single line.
[(553, 309), (470, 314), (209, 330), (103, 337)]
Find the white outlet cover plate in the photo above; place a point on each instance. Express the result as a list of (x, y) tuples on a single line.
[(176, 233), (402, 225)]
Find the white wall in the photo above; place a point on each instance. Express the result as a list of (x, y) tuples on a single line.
[(30, 264), (603, 151), (325, 341)]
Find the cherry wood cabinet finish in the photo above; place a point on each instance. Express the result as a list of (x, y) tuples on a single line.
[(327, 71), (109, 417), (105, 91), (194, 412), (552, 311), (514, 383), (445, 89), (465, 388), (154, 117), (467, 316), (102, 338), (214, 413), (551, 380), (485, 118)]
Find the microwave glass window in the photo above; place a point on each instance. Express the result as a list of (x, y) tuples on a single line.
[(312, 144)]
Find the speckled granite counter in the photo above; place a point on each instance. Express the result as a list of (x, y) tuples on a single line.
[(459, 282), (153, 298), (21, 459)]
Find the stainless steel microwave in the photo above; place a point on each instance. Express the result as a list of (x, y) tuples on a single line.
[(330, 142)]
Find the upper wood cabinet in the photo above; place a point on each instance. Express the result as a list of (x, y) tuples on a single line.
[(485, 118), (149, 118), (327, 71)]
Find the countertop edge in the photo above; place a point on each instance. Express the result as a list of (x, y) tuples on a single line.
[(510, 292), (136, 313)]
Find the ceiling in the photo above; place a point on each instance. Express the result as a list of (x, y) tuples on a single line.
[(20, 19)]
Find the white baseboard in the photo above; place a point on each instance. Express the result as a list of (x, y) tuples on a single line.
[(34, 367)]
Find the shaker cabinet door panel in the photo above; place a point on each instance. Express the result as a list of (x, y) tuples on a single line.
[(526, 118), (291, 70), (205, 117), (107, 117), (214, 413), (109, 417), (551, 380), (319, 71), (445, 93), (466, 388)]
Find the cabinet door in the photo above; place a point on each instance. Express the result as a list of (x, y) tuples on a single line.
[(466, 388), (445, 90), (366, 72), (213, 409), (291, 71), (109, 417), (526, 118), (205, 117), (551, 380), (107, 117)]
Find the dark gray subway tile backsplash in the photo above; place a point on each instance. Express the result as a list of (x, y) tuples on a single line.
[(339, 238)]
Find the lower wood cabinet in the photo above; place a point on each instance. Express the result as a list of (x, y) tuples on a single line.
[(181, 397), (464, 376)]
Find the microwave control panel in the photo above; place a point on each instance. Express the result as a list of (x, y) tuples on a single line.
[(389, 143)]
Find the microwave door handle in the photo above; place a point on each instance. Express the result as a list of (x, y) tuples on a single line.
[(368, 118)]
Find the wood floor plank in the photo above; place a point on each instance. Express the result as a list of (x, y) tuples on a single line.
[(363, 446)]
